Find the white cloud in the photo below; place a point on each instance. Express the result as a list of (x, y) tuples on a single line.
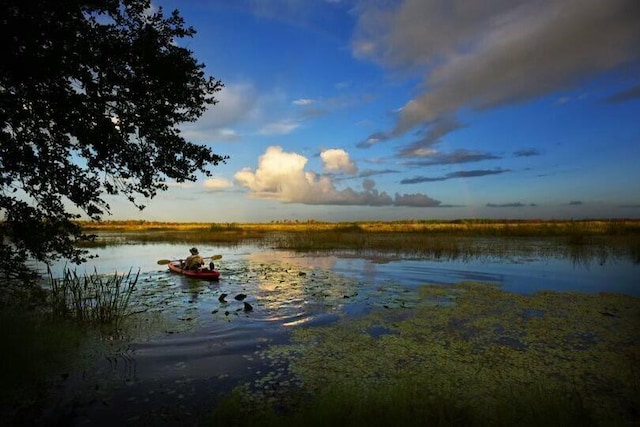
[(281, 127), (217, 184), (484, 54), (278, 172), (282, 176), (337, 160), (303, 101), (204, 136)]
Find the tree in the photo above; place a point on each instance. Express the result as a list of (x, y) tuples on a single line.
[(91, 96)]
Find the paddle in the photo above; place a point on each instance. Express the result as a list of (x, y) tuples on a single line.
[(167, 261)]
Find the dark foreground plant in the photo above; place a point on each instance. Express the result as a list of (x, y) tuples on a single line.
[(92, 298), (407, 403)]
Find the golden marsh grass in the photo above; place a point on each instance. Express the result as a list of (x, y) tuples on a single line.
[(456, 239)]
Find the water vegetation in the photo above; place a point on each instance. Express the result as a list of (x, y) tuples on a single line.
[(470, 354), (92, 298)]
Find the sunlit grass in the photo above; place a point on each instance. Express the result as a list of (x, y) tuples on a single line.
[(459, 239), (470, 227)]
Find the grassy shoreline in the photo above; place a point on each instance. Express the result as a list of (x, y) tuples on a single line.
[(479, 227), (456, 239)]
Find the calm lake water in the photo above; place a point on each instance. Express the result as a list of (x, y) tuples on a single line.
[(174, 370)]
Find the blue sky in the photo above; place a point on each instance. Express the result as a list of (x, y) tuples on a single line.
[(413, 109)]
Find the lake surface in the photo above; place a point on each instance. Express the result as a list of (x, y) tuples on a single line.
[(173, 371)]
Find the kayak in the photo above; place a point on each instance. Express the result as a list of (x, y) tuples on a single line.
[(198, 274)]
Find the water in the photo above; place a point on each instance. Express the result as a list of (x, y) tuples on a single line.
[(178, 369)]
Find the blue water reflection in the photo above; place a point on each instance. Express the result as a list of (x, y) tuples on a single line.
[(525, 277)]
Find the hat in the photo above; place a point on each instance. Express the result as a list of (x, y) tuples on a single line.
[(193, 250)]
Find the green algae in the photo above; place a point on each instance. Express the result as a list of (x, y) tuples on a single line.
[(492, 354)]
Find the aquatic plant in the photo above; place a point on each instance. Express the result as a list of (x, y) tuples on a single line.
[(470, 354), (92, 298)]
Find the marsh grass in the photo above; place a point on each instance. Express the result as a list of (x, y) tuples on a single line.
[(580, 241), (92, 298), (469, 228)]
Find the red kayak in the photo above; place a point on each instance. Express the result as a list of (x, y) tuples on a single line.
[(198, 274)]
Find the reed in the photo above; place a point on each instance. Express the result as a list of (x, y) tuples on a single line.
[(92, 298)]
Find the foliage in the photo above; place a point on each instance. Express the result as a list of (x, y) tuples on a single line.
[(91, 97), (92, 298)]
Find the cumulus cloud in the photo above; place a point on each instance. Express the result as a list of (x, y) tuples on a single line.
[(282, 176), (485, 54), (337, 160)]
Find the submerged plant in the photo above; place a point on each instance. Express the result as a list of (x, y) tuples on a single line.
[(92, 298)]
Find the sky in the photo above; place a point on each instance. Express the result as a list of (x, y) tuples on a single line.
[(346, 110)]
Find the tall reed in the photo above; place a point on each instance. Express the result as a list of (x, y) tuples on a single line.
[(92, 298)]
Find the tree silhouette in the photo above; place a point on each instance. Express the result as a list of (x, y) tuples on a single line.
[(91, 96)]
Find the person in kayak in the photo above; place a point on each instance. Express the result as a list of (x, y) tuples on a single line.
[(193, 261)]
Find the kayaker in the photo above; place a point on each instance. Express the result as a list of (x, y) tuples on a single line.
[(193, 261)]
